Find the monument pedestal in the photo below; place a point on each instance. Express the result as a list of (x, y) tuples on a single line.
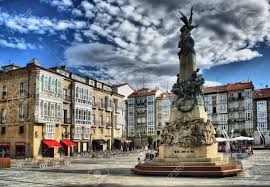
[(195, 152), (202, 161)]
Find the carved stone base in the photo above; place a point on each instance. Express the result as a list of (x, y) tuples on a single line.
[(201, 161), (183, 153)]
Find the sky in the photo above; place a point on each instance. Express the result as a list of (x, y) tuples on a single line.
[(131, 41)]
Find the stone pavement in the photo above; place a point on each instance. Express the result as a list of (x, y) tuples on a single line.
[(116, 172)]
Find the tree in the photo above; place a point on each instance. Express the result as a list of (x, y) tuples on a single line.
[(217, 133), (244, 132), (150, 140)]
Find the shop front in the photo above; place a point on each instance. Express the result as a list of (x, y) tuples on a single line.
[(67, 145), (99, 144), (117, 143), (49, 148), (5, 148), (20, 150)]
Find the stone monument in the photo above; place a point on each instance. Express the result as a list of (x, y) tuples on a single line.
[(188, 144)]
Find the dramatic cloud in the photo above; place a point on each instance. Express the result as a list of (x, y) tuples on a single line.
[(136, 41), (141, 37)]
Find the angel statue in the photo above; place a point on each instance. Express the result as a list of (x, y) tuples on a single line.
[(186, 42)]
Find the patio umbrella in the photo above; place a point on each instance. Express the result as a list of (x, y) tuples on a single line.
[(242, 138)]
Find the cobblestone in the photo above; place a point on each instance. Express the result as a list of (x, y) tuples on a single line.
[(117, 172)]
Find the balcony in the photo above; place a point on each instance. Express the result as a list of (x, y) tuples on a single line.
[(231, 99), (101, 106), (108, 124), (109, 108), (141, 114), (67, 98), (49, 136), (65, 135), (140, 104), (77, 136), (86, 136), (67, 121), (95, 105)]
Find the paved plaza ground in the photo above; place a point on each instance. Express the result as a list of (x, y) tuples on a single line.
[(116, 172)]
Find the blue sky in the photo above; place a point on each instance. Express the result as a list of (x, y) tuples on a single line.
[(124, 40)]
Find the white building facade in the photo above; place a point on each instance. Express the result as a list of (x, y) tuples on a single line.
[(230, 107), (49, 101), (82, 112), (262, 112)]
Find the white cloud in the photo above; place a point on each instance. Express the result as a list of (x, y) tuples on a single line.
[(17, 43), (144, 36), (211, 83), (60, 4)]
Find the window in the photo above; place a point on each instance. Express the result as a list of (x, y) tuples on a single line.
[(21, 113), (53, 85), (93, 119), (22, 90), (108, 121), (52, 110), (45, 106), (58, 111), (80, 93), (101, 103), (214, 110), (4, 93), (3, 130), (77, 92), (21, 129), (89, 116), (49, 131), (4, 115), (101, 120), (41, 108), (46, 83), (84, 115)]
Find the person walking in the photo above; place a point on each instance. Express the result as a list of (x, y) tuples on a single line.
[(2, 153)]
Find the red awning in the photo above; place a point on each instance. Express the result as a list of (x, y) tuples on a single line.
[(51, 143), (4, 144), (20, 144), (68, 143)]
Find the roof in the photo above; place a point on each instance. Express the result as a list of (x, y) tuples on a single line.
[(168, 95), (240, 86), (228, 87), (119, 85), (215, 89), (143, 92), (262, 93)]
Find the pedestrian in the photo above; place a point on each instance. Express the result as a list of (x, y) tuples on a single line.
[(2, 153), (139, 160)]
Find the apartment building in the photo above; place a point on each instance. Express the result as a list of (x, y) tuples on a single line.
[(142, 115), (50, 112), (124, 89), (98, 113), (262, 116), (230, 107), (163, 112), (32, 123)]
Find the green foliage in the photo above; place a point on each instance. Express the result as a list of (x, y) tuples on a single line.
[(150, 139), (217, 133), (244, 132)]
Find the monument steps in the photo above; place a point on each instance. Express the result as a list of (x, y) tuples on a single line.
[(196, 172)]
